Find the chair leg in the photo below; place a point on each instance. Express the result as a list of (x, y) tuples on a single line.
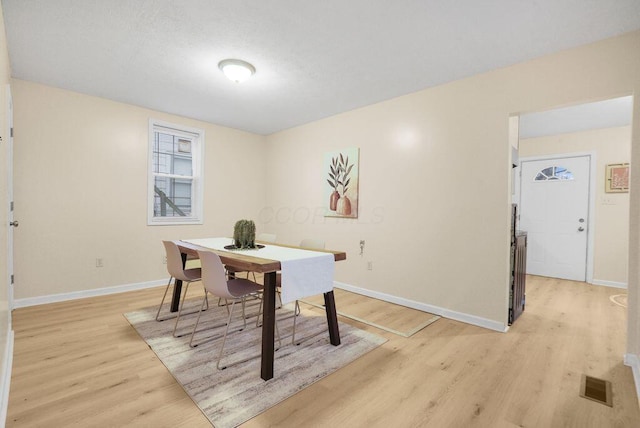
[(163, 297), (259, 312), (205, 300), (278, 334), (296, 312), (244, 316), (276, 322), (252, 273), (193, 333), (180, 310), (226, 332), (278, 306), (224, 339)]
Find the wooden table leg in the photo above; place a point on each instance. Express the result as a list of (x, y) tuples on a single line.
[(177, 288), (332, 318), (268, 324)]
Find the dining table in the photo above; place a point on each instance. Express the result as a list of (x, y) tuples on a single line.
[(242, 261)]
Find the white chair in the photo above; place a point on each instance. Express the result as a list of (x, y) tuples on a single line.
[(312, 244), (234, 290), (178, 272), (269, 238)]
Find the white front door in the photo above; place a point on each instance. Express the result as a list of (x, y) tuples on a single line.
[(554, 210)]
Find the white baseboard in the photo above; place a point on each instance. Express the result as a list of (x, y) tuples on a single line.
[(633, 361), (436, 310), (53, 298), (612, 284), (5, 378)]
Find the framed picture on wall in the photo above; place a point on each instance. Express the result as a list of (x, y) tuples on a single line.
[(340, 177), (617, 178)]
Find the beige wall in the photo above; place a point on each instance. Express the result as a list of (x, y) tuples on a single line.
[(633, 311), (81, 190), (434, 184), (435, 177), (418, 180), (611, 234)]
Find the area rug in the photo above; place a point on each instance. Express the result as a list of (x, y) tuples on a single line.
[(236, 394), (378, 313)]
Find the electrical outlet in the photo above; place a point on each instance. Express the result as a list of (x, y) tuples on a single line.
[(164, 260), (99, 263), (369, 265)]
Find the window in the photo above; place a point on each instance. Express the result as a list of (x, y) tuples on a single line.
[(554, 173), (175, 174)]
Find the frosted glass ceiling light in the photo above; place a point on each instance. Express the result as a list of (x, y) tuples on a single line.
[(236, 69)]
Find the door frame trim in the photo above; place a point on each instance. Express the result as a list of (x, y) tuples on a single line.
[(10, 197), (592, 187)]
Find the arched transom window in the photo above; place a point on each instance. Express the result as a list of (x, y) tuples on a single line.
[(554, 173)]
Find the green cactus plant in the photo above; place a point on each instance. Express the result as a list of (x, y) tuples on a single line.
[(244, 234)]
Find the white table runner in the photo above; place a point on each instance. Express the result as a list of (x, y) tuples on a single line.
[(304, 272)]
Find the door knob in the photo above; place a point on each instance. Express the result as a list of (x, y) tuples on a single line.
[(14, 223), (581, 229)]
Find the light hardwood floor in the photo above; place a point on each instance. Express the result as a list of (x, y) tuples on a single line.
[(80, 364)]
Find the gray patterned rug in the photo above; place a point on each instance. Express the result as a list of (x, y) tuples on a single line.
[(236, 394)]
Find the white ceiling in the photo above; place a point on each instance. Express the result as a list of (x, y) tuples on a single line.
[(582, 117), (313, 58)]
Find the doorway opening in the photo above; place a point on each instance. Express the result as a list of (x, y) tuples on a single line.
[(599, 130)]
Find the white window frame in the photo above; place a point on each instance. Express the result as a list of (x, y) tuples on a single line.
[(197, 188)]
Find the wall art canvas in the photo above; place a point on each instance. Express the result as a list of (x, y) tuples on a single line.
[(617, 178), (340, 180)]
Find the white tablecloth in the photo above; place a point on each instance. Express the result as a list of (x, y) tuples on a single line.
[(304, 272)]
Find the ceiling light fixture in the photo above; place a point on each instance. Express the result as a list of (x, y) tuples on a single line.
[(236, 69)]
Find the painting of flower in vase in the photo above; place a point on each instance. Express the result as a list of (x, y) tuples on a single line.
[(341, 183)]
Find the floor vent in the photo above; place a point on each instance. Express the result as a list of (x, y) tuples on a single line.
[(596, 389)]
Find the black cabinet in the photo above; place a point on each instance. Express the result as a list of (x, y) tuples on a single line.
[(518, 275)]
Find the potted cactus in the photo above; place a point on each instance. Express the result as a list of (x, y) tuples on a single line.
[(244, 234)]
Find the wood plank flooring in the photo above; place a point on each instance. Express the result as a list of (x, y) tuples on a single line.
[(388, 316), (80, 364)]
